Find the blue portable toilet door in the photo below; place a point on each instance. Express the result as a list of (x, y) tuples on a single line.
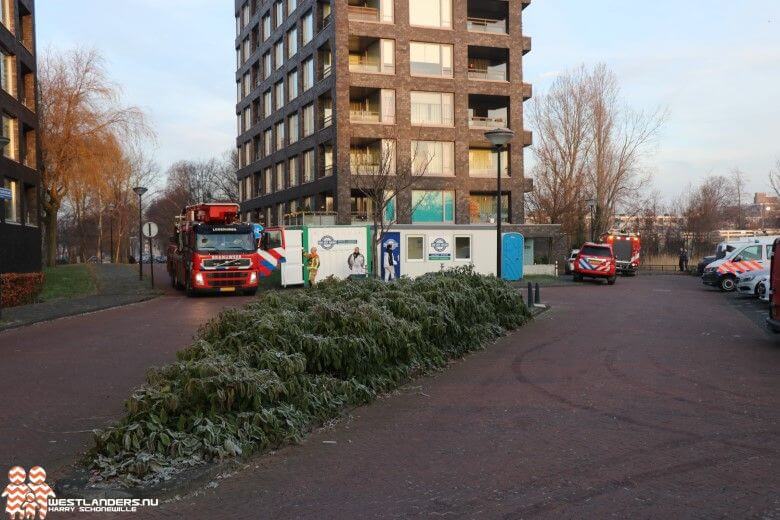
[(512, 245)]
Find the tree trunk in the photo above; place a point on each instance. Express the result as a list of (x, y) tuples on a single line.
[(50, 222)]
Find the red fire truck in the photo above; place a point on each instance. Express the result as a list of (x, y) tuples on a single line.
[(212, 252), (627, 247)]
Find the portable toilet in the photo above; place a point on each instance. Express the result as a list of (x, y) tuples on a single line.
[(512, 247)]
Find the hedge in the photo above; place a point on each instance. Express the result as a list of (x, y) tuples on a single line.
[(20, 288), (263, 375)]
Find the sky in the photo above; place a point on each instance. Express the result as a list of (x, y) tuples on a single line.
[(713, 65)]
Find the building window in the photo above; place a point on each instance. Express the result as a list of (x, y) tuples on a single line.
[(279, 128), (279, 53), (292, 171), (279, 94), (308, 120), (13, 207), (292, 85), (432, 108), (10, 130), (267, 103), (434, 158), (267, 67), (292, 42), (308, 74), (268, 141), (292, 128), (307, 27), (7, 14), (431, 13), (415, 247), (482, 162), (266, 27), (279, 176), (308, 166), (430, 59), (291, 6), (433, 206), (269, 187), (8, 72), (31, 205), (482, 208), (279, 8), (463, 248)]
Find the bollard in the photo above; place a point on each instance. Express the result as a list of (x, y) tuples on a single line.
[(530, 299), (537, 297)]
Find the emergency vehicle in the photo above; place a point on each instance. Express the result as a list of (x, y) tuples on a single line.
[(212, 252), (595, 261), (626, 247), (746, 257), (774, 289)]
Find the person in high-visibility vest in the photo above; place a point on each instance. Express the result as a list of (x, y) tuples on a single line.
[(313, 265)]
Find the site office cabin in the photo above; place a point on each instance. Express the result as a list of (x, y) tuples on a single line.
[(212, 252)]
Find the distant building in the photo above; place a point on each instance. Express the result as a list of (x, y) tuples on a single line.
[(20, 216), (325, 87)]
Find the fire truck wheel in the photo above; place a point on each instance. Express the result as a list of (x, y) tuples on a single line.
[(611, 280), (728, 284), (250, 292)]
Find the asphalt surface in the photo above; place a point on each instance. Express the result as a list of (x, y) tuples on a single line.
[(653, 398), (61, 379)]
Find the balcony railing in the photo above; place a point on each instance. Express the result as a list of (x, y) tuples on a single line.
[(326, 71), (364, 65), (487, 122), (363, 14), (364, 116), (486, 74), (486, 25), (326, 120)]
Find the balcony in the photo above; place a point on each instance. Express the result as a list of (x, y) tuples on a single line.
[(488, 64), (526, 41), (486, 112), (371, 55), (483, 162), (528, 91), (370, 11), (324, 62), (326, 110), (366, 105), (487, 16), (372, 156)]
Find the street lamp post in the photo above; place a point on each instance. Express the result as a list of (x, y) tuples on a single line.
[(499, 138), (592, 209), (3, 143), (140, 190)]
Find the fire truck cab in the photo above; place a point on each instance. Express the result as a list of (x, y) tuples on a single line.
[(211, 252), (595, 261), (627, 247)]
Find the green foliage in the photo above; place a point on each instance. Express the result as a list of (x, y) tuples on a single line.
[(263, 375), (68, 281)]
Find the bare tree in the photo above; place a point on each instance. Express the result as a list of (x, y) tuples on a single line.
[(774, 178), (588, 145), (738, 178), (80, 111), (706, 208), (379, 177)]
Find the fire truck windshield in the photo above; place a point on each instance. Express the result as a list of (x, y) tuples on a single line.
[(218, 242)]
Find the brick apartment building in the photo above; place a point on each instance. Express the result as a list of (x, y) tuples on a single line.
[(19, 217), (326, 85)]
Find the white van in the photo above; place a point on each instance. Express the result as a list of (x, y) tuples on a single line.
[(754, 255)]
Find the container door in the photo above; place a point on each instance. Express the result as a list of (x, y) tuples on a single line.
[(512, 246), (292, 269), (393, 239)]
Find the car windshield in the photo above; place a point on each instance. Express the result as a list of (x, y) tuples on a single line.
[(234, 242), (595, 251)]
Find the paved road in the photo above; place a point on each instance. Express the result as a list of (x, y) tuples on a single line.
[(650, 399), (61, 379)]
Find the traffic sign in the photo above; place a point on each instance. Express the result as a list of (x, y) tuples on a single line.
[(150, 230), (6, 194)]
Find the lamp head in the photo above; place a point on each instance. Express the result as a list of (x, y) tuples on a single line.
[(499, 137), (140, 190)]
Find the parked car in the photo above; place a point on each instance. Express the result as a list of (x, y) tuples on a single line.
[(722, 250), (570, 262), (752, 283), (595, 261), (750, 256)]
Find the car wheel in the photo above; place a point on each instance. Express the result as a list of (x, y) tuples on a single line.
[(577, 277), (760, 289), (611, 280), (728, 284)]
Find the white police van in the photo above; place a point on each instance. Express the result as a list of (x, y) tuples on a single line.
[(754, 255)]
